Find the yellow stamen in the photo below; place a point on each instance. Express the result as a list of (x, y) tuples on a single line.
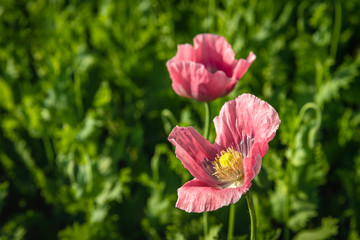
[(226, 159), (229, 167)]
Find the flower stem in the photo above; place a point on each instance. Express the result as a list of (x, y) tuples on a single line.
[(337, 30), (206, 135), (207, 120), (231, 222), (205, 222), (252, 215)]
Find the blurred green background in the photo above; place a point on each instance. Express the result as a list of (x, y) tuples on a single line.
[(86, 106)]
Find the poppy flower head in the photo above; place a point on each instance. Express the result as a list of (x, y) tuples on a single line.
[(208, 69), (223, 171)]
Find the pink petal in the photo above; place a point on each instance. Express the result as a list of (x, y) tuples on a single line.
[(214, 52), (252, 164), (187, 77), (243, 65), (247, 117), (191, 79), (208, 70), (196, 196), (226, 85), (195, 153), (185, 52), (219, 84)]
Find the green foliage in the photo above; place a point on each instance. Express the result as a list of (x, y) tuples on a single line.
[(327, 229), (86, 106)]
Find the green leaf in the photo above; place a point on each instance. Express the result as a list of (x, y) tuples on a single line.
[(6, 96), (103, 95), (299, 220), (168, 120), (3, 193), (214, 232), (340, 80), (76, 231), (327, 229)]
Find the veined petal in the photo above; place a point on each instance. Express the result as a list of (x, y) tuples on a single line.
[(248, 116), (195, 152), (197, 196), (187, 77), (214, 52), (185, 52), (208, 70), (243, 119), (243, 65), (252, 164), (218, 84)]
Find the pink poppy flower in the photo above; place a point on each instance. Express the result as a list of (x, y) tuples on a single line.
[(208, 70), (223, 171)]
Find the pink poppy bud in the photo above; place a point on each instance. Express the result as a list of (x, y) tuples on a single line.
[(208, 70)]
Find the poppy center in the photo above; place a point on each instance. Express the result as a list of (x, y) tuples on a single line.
[(226, 159), (212, 69), (229, 167)]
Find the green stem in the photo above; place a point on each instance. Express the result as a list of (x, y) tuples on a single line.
[(77, 92), (286, 216), (337, 30), (252, 215), (205, 222), (289, 170), (231, 222), (207, 120), (206, 135), (48, 150)]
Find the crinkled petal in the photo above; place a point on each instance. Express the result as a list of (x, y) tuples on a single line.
[(187, 77), (185, 52), (243, 65), (252, 163), (197, 196), (218, 85), (192, 80), (214, 52), (208, 70), (247, 117), (195, 152)]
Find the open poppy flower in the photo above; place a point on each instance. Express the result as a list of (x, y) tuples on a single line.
[(223, 171), (208, 70)]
